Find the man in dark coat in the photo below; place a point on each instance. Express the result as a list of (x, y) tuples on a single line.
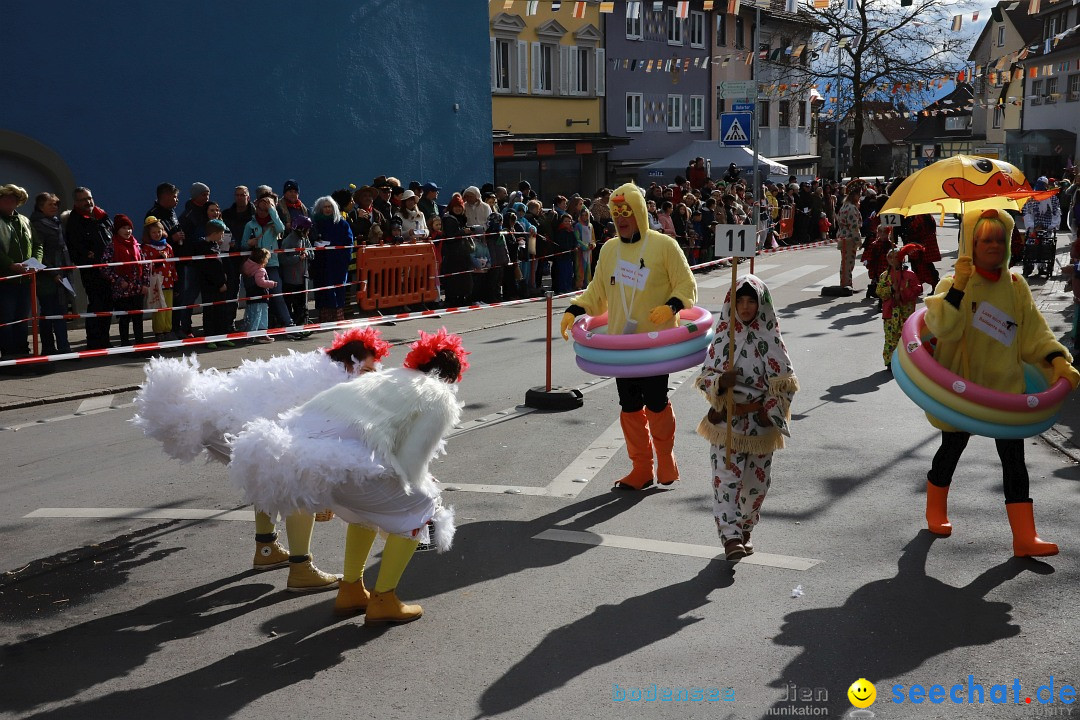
[(88, 231)]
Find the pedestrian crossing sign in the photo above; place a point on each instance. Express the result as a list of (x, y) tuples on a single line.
[(735, 128)]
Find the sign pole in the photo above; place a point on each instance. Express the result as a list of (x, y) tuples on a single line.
[(757, 186), (729, 399)]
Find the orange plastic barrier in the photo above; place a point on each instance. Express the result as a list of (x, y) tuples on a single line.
[(787, 222), (395, 275)]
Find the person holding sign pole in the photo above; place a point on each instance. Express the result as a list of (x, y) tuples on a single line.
[(641, 282), (749, 383)]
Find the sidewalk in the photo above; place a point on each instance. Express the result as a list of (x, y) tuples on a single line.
[(77, 379)]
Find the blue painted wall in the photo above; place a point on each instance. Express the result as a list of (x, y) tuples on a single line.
[(234, 93)]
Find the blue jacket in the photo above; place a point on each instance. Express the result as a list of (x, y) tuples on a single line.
[(264, 237)]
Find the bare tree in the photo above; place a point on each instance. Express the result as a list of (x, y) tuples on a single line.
[(884, 51)]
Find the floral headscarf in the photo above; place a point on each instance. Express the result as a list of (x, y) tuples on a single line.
[(761, 358)]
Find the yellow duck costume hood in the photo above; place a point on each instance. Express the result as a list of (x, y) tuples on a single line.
[(971, 219), (630, 194)]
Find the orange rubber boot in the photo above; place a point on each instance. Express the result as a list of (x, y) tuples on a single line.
[(937, 516), (662, 428), (639, 448), (1026, 543)]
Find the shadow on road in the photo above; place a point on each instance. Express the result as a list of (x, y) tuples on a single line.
[(859, 386), (890, 627)]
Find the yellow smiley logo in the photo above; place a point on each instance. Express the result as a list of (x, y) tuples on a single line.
[(862, 693)]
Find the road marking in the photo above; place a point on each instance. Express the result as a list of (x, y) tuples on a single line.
[(856, 273), (725, 278), (577, 475), (143, 513), (794, 274), (709, 552), (101, 402), (80, 412)]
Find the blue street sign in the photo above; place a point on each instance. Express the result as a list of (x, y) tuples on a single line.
[(735, 128), (743, 107)]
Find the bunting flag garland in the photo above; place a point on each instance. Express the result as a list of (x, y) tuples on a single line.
[(607, 7), (975, 16), (508, 4), (658, 6), (791, 6), (682, 10), (633, 9), (531, 7), (821, 4), (556, 5), (579, 9), (708, 5), (958, 20), (851, 5), (733, 7), (1033, 7)]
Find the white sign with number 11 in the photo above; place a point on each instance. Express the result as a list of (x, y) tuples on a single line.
[(735, 241)]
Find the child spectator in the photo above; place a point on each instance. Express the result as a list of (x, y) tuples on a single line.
[(257, 287), (294, 260), (899, 288), (562, 271), (583, 235), (875, 257), (129, 282), (162, 277), (212, 285)]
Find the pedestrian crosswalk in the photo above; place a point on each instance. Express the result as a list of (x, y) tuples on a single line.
[(813, 277)]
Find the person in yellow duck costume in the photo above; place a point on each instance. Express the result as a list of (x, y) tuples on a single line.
[(641, 282), (982, 285)]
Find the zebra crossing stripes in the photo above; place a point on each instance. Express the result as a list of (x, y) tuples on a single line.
[(834, 279)]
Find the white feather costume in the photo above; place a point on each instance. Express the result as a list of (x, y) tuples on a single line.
[(190, 410), (361, 448)]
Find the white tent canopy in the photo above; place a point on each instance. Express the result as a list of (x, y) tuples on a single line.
[(675, 164)]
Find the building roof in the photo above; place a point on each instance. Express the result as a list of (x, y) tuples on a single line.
[(895, 129), (1029, 26), (932, 126)]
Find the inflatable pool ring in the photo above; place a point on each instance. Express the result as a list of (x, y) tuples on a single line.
[(592, 332), (665, 367), (966, 407), (958, 420), (645, 356), (911, 340)]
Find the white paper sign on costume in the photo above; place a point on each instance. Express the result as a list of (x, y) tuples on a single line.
[(631, 275), (995, 323), (736, 241)]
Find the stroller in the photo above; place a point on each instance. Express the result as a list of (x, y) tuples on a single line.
[(1040, 249)]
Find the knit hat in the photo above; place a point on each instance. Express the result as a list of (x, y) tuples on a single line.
[(199, 188), (11, 189), (290, 185), (215, 226), (120, 221), (301, 222)]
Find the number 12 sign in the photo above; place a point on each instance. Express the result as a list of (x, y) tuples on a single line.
[(736, 241)]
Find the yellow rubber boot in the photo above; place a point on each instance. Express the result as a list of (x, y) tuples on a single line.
[(937, 505), (662, 429), (638, 446), (384, 606), (352, 596), (1026, 542)]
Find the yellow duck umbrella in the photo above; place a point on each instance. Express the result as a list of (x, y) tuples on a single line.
[(958, 184)]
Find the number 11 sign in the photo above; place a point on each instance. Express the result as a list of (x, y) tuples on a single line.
[(736, 241)]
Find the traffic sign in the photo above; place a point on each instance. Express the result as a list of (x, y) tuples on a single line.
[(742, 107), (737, 89), (736, 241), (735, 129)]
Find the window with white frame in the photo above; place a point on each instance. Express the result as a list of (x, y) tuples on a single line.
[(543, 68), (1001, 35), (674, 27), (957, 123), (633, 112), (633, 24), (697, 113), (674, 113), (509, 56), (1036, 92), (500, 61), (1074, 88), (721, 29), (697, 29), (999, 115), (581, 68), (1051, 90)]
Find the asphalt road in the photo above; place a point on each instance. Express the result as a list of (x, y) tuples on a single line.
[(558, 596)]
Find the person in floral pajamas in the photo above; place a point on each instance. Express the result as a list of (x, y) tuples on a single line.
[(763, 384), (899, 288), (849, 235)]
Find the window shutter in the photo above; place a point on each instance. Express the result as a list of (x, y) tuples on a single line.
[(574, 77), (564, 70), (522, 67), (493, 65), (536, 68), (601, 72)]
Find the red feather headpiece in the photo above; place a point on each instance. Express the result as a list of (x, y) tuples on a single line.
[(423, 350), (369, 337)]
